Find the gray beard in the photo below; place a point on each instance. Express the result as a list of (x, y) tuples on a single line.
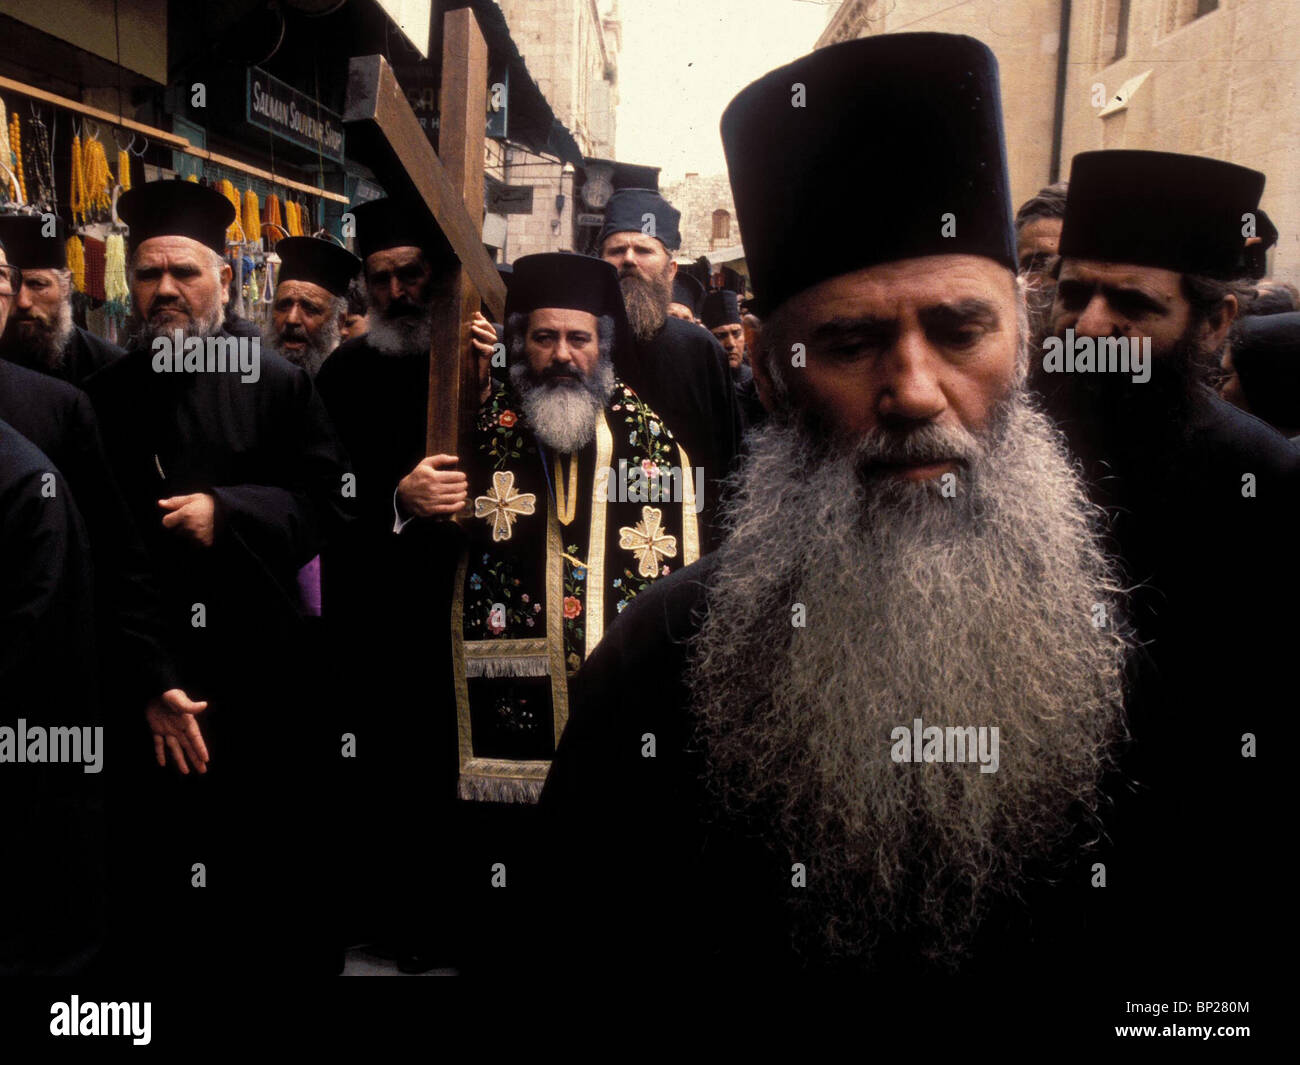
[(313, 356), (404, 335), (647, 303), (49, 347), (145, 332), (967, 611), (563, 418)]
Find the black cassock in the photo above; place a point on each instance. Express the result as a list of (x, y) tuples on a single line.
[(268, 454), (386, 604), (83, 355), (52, 888), (682, 375), (648, 877), (60, 420)]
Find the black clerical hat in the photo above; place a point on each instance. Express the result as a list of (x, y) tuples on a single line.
[(1266, 356), (1178, 212), (721, 307), (27, 245), (322, 262), (579, 282), (177, 209), (688, 292), (642, 211), (885, 148), (395, 222)]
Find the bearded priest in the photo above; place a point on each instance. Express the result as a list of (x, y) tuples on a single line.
[(584, 499)]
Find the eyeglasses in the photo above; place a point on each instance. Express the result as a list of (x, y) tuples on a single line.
[(11, 279)]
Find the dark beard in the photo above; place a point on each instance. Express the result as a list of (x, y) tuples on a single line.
[(47, 348), (968, 611), (647, 303), (1112, 422)]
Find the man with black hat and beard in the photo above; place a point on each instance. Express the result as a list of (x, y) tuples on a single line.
[(677, 369), (41, 334), (234, 477), (582, 501), (911, 560), (310, 302), (1150, 280), (386, 596)]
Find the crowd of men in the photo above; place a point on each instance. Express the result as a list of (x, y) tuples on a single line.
[(836, 628)]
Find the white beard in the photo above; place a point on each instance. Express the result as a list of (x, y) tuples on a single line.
[(563, 417), (400, 336), (311, 357), (969, 611)]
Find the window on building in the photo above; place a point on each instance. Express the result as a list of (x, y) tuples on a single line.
[(721, 225), (1179, 13), (1121, 29), (1110, 42)]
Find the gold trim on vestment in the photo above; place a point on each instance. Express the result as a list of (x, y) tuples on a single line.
[(464, 738), (690, 527), (595, 605), (555, 623)]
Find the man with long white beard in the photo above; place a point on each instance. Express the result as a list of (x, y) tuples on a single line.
[(872, 730), (41, 334), (677, 368), (310, 300)]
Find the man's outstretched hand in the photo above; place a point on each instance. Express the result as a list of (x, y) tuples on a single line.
[(175, 728)]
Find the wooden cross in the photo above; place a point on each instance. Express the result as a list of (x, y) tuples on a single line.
[(385, 131)]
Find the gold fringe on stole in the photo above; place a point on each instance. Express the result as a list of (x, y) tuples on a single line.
[(595, 608), (690, 527), (506, 658), (500, 780)]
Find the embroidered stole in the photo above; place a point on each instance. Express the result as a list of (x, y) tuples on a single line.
[(533, 597)]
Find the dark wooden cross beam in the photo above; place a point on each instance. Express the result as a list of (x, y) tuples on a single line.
[(384, 131)]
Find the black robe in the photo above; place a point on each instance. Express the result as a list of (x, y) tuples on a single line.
[(682, 375), (52, 888), (386, 604), (268, 454), (648, 877), (84, 355), (59, 420)]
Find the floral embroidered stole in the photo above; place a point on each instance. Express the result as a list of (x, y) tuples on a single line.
[(534, 596)]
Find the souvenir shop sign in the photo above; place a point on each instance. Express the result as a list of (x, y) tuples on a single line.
[(293, 115)]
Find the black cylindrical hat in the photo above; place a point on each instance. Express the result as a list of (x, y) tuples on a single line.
[(885, 148), (32, 243), (642, 211), (1177, 212), (176, 208), (688, 292), (322, 262), (721, 307)]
